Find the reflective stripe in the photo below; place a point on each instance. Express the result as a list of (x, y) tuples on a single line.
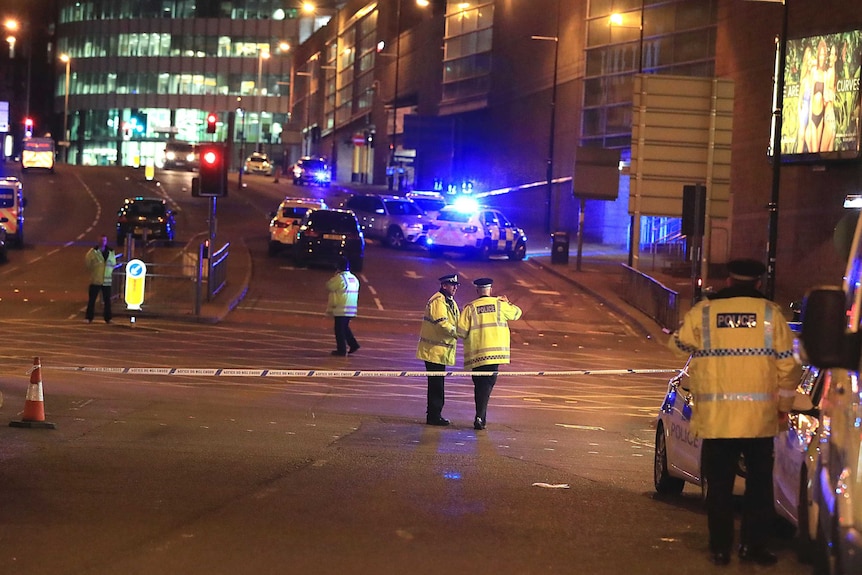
[(736, 352), (706, 397), (705, 321), (769, 328)]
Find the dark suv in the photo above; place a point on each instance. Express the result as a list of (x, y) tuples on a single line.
[(325, 236), (312, 171), (145, 215)]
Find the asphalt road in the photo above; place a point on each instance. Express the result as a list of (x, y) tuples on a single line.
[(205, 473)]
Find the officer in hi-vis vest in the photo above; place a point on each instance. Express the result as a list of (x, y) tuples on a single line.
[(484, 327), (438, 342), (743, 378)]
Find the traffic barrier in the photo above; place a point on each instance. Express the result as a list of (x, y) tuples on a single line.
[(34, 404)]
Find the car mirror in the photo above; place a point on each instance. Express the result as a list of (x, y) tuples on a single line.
[(824, 329)]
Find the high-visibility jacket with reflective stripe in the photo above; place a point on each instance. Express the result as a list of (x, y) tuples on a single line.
[(484, 327), (742, 370), (101, 269), (343, 295), (437, 337)]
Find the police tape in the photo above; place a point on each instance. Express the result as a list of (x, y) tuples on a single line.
[(299, 373)]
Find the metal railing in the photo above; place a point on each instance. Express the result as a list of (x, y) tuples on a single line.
[(651, 297)]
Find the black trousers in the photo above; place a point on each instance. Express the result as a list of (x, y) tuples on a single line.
[(436, 395), (343, 334), (95, 290), (482, 387), (720, 460)]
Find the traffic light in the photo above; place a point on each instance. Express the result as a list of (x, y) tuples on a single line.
[(212, 180), (212, 119), (28, 127)]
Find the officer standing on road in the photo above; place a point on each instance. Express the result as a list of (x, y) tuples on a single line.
[(743, 378), (484, 327), (437, 344), (343, 290), (100, 261)]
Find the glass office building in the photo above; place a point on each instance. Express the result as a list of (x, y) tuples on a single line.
[(140, 74)]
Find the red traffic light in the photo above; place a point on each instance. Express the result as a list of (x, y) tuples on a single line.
[(28, 122), (212, 120), (212, 177), (210, 158)]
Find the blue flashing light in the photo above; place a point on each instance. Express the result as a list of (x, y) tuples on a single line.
[(466, 205), (451, 475)]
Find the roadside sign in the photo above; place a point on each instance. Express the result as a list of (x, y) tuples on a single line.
[(136, 275)]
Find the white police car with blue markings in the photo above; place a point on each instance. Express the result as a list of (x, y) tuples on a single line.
[(678, 452), (478, 231)]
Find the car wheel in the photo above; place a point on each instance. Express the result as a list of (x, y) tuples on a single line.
[(519, 253), (484, 252), (395, 238), (664, 483), (435, 252)]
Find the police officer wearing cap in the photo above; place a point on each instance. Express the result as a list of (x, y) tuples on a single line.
[(438, 342), (743, 378), (484, 327)]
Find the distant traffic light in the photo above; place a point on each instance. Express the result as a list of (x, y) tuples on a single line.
[(212, 180), (212, 119), (28, 127)]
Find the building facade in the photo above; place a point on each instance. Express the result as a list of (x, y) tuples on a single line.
[(144, 73)]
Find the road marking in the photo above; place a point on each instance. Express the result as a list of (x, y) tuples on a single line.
[(581, 427)]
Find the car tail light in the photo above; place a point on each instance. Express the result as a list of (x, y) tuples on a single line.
[(282, 225), (122, 219)]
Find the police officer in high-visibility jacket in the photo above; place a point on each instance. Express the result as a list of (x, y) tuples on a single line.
[(484, 327), (343, 300), (743, 377), (437, 344)]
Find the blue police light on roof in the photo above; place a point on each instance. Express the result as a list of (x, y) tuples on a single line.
[(466, 205)]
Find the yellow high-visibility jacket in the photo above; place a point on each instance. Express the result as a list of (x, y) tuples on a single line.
[(437, 336), (101, 269), (343, 295), (484, 327), (742, 370)]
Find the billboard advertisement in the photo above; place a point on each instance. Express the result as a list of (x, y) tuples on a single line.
[(820, 112)]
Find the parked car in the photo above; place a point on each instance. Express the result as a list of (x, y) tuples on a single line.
[(12, 203), (482, 232), (258, 163), (677, 458), (325, 236), (310, 170), (395, 220), (150, 216), (285, 221)]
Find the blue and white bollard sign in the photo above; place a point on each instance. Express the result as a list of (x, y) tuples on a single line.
[(136, 275)]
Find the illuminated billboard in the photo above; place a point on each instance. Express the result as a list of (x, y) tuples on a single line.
[(820, 113)]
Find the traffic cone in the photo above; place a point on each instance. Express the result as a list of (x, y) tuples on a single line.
[(34, 405)]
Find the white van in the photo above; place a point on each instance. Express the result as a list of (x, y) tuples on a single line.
[(12, 209)]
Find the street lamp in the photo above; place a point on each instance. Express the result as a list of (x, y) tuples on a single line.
[(307, 139), (552, 131), (13, 26), (66, 59), (261, 56)]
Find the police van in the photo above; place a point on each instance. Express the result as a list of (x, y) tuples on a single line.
[(479, 231), (12, 209)]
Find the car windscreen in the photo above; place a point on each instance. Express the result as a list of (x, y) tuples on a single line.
[(402, 208), (148, 209), (429, 205), (324, 221), (314, 165), (453, 216), (294, 212)]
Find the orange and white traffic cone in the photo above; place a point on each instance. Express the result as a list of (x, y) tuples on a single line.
[(34, 405)]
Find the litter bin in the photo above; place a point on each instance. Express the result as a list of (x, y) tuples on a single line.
[(560, 248)]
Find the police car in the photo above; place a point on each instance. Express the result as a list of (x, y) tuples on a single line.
[(678, 451), (12, 204), (479, 231), (285, 221)]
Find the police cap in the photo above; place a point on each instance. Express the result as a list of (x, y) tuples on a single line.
[(745, 269), (483, 282), (450, 279)]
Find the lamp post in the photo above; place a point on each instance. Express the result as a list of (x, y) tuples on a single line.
[(306, 149), (616, 20), (261, 56), (552, 130), (13, 26), (67, 60)]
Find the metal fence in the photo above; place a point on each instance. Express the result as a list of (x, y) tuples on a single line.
[(651, 297)]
